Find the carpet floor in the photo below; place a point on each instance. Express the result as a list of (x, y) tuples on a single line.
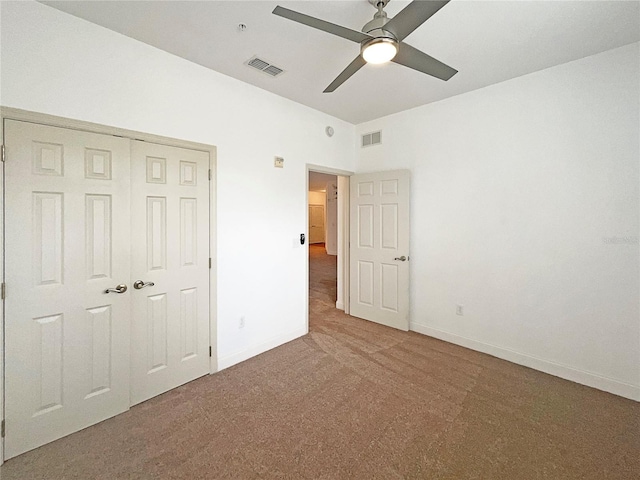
[(353, 399)]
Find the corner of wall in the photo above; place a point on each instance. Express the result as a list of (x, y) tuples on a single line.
[(262, 347), (568, 373)]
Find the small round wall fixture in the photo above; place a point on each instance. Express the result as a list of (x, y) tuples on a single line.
[(329, 131)]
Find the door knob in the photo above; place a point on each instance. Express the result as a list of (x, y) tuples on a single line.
[(119, 289), (402, 258), (139, 284)]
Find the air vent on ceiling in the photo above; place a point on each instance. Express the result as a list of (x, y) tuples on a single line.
[(273, 71), (264, 66), (373, 138)]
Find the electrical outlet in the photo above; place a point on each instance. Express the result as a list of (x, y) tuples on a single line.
[(241, 324), (459, 309)]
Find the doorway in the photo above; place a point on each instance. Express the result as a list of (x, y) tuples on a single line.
[(327, 195), (373, 269), (323, 239)]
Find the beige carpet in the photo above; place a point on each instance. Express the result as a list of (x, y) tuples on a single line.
[(357, 400)]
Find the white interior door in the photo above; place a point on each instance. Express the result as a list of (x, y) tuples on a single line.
[(316, 223), (379, 253), (170, 247), (67, 241)]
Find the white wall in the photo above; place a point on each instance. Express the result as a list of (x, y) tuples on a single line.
[(317, 198), (517, 192), (58, 64), (343, 242)]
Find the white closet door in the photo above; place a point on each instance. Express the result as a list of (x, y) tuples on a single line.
[(170, 247), (379, 252), (67, 241)]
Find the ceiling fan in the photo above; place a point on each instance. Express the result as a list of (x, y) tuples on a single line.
[(381, 39)]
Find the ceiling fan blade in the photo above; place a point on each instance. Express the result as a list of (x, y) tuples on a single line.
[(413, 58), (328, 27), (412, 16), (352, 68)]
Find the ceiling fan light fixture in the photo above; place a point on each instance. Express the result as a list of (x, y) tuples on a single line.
[(379, 50)]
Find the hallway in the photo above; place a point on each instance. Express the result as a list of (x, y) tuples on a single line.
[(322, 285)]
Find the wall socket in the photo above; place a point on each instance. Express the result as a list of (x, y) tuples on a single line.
[(241, 323), (459, 309)]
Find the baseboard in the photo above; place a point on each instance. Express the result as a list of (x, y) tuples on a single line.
[(589, 379), (340, 306), (230, 360)]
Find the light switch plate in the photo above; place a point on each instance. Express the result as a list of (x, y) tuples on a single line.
[(278, 162)]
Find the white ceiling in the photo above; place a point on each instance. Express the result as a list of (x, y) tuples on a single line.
[(487, 41)]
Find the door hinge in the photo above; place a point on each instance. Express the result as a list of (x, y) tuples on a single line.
[(209, 355), (209, 174), (3, 291), (2, 429), (2, 154), (209, 265)]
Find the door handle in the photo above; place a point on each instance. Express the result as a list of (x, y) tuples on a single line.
[(402, 258), (119, 289), (139, 284)]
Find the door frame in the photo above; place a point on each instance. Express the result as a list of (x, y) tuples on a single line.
[(7, 113), (343, 233)]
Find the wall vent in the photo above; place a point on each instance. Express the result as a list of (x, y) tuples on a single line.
[(373, 138), (264, 66)]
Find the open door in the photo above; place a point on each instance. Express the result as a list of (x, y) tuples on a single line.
[(379, 251)]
